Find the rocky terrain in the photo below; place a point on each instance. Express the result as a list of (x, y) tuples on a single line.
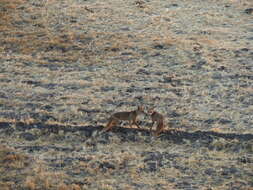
[(67, 65)]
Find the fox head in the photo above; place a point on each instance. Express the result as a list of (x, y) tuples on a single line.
[(141, 108), (151, 110)]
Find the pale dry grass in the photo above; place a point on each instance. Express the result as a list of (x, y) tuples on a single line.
[(76, 62)]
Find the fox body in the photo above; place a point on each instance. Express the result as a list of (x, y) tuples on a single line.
[(124, 116), (159, 120)]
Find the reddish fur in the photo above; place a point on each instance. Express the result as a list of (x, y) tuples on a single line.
[(159, 129), (159, 119), (129, 116)]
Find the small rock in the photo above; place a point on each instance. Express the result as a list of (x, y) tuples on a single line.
[(153, 160), (224, 121), (107, 88), (245, 160), (5, 125), (143, 71), (210, 171), (130, 90), (131, 137), (152, 166), (248, 11), (89, 111), (35, 148), (126, 53), (174, 114), (22, 127), (179, 32), (229, 171), (125, 28), (209, 121), (47, 107), (167, 79), (154, 156), (217, 76), (155, 54), (245, 49), (106, 165), (9, 131), (30, 82), (222, 68), (198, 65), (28, 136), (158, 46), (58, 165), (174, 5)]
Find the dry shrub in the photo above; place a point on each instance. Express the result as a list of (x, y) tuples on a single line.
[(11, 159), (3, 152), (76, 187), (62, 186), (41, 178), (7, 4), (30, 183), (216, 130), (6, 185), (7, 8)]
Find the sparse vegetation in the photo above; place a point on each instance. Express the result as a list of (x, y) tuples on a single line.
[(66, 66)]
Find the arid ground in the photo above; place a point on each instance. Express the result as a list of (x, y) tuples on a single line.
[(67, 65)]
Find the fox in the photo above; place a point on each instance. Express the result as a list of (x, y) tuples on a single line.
[(158, 119), (124, 116)]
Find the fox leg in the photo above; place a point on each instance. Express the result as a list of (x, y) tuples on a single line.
[(151, 126), (131, 123), (135, 123), (159, 129), (112, 122), (157, 133), (108, 126)]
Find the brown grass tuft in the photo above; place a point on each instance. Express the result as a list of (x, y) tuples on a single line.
[(75, 187), (62, 186), (11, 4), (30, 183)]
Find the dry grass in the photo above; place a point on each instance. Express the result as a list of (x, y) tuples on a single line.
[(62, 162), (12, 160), (74, 63)]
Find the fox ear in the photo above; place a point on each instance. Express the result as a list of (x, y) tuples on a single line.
[(140, 108), (152, 109)]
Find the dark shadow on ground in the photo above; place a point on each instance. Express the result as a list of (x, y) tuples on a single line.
[(128, 134)]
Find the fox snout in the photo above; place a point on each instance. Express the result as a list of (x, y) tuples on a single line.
[(150, 111), (141, 108)]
